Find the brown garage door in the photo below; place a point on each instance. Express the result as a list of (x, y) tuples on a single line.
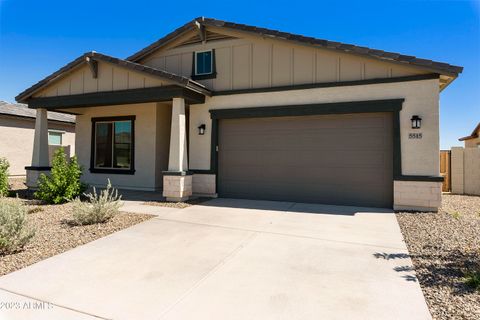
[(332, 159)]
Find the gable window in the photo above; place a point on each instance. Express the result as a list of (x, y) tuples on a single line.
[(55, 137), (203, 65), (112, 145)]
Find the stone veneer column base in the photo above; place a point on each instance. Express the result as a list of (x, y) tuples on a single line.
[(204, 185), (177, 186), (417, 196), (33, 174)]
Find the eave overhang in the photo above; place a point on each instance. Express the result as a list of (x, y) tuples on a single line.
[(120, 97)]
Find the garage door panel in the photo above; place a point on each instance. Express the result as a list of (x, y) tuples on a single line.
[(257, 174), (305, 140), (311, 158), (301, 192), (338, 159), (310, 122)]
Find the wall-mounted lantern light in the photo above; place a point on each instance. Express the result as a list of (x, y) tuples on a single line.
[(416, 122), (201, 129)]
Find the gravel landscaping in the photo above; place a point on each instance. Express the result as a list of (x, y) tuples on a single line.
[(443, 247), (54, 234), (18, 188)]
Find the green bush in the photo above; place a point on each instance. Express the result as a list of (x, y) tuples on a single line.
[(63, 184), (4, 177), (14, 233), (99, 208)]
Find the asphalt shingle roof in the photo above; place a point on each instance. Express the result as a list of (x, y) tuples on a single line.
[(474, 133), (22, 110)]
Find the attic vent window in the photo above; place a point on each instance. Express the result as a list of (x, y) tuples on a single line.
[(203, 63)]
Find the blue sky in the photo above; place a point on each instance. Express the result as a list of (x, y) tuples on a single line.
[(38, 37)]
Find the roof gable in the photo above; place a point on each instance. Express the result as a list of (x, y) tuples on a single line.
[(252, 62), (199, 23), (96, 72)]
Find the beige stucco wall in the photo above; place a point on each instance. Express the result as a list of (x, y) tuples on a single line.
[(472, 171), (254, 62), (16, 141), (466, 170), (419, 157), (110, 77), (148, 148), (457, 161)]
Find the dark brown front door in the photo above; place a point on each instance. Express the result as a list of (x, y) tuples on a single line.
[(331, 159)]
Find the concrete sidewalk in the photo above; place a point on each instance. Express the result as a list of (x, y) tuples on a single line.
[(134, 206), (233, 259)]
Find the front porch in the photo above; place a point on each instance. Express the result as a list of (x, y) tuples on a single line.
[(136, 137), (154, 156)]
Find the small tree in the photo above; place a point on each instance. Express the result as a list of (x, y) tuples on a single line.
[(4, 165), (63, 184)]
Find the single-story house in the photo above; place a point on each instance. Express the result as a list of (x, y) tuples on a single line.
[(217, 108), (473, 140), (17, 130)]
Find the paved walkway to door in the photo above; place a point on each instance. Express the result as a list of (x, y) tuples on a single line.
[(230, 259)]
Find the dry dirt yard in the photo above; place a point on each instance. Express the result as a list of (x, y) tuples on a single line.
[(53, 233), (443, 246)]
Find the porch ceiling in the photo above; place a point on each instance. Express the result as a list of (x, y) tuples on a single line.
[(130, 96)]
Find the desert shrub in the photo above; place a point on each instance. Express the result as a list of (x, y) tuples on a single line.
[(14, 233), (472, 279), (4, 165), (456, 215), (99, 208), (63, 184)]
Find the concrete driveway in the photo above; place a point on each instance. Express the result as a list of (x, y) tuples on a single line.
[(229, 259)]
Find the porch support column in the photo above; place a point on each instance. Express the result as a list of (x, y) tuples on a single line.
[(177, 161), (177, 181), (40, 160)]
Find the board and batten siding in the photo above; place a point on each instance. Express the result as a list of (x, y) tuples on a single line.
[(258, 63), (110, 78)]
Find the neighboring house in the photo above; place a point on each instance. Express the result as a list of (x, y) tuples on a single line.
[(473, 140), (218, 108), (17, 130)]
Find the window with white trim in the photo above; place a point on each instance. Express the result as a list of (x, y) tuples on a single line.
[(203, 62)]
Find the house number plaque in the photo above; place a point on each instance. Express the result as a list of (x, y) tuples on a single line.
[(414, 135)]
